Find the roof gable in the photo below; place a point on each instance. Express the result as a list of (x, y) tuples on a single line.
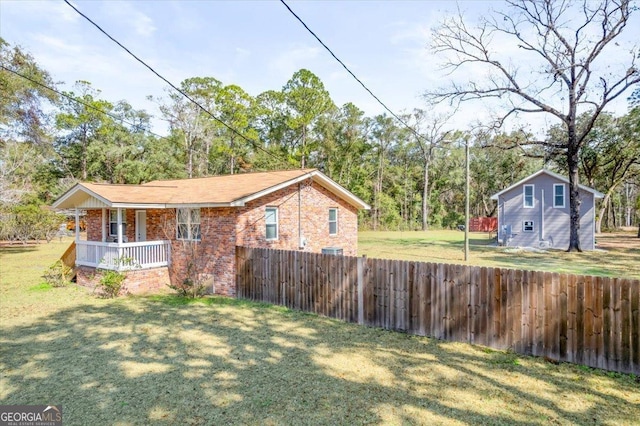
[(595, 193), (215, 191)]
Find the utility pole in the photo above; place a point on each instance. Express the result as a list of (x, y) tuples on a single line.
[(466, 199)]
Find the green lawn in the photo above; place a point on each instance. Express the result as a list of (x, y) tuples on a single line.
[(167, 360), (619, 257)]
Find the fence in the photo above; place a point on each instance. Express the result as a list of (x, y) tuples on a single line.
[(483, 224), (587, 320)]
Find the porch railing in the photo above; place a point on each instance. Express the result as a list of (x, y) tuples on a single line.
[(125, 256)]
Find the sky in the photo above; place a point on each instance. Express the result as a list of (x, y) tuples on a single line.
[(257, 45)]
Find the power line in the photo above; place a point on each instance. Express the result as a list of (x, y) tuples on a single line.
[(114, 116), (349, 71), (203, 109)]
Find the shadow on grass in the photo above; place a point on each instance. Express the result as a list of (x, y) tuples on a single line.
[(15, 249), (165, 359)]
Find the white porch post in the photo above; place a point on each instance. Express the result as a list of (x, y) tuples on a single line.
[(77, 224), (119, 225), (104, 225)]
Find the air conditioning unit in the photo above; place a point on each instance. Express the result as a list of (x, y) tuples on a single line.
[(332, 250)]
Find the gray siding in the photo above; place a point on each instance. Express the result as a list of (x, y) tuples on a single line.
[(551, 224)]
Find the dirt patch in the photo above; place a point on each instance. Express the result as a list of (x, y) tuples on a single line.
[(618, 240)]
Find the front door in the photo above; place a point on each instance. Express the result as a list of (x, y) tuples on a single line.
[(141, 225)]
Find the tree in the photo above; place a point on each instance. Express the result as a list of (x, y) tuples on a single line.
[(189, 123), (569, 45), (433, 137), (22, 115), (494, 168), (307, 100), (81, 125), (24, 123), (384, 133), (237, 109)]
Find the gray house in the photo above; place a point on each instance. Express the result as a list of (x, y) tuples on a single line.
[(535, 212)]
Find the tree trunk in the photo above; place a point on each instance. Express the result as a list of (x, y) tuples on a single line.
[(574, 193), (85, 143), (232, 158), (304, 146), (425, 197)]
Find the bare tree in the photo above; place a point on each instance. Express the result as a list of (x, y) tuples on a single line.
[(433, 137), (573, 65)]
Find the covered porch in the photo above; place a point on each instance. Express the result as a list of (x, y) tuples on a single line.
[(116, 248), (117, 234), (123, 256)]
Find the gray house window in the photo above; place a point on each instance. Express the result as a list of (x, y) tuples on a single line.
[(271, 221), (333, 221), (527, 195), (188, 224), (113, 222), (558, 195), (527, 226)]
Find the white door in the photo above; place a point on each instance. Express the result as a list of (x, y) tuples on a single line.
[(141, 225)]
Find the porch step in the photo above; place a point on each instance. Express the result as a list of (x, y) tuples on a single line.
[(68, 258)]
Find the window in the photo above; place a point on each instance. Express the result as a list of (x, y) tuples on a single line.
[(333, 221), (271, 221), (558, 195), (113, 222), (527, 194), (188, 224), (527, 226)]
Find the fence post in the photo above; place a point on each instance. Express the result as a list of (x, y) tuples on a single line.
[(360, 266)]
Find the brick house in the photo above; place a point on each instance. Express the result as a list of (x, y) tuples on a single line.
[(161, 226)]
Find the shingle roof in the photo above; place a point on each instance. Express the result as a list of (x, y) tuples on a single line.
[(227, 190), (595, 193)]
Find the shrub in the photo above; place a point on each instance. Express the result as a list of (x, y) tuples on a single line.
[(58, 274), (111, 283), (189, 288)]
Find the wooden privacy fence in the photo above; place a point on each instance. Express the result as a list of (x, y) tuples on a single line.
[(594, 321)]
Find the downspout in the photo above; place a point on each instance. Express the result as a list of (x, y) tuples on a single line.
[(542, 217), (593, 222), (300, 245)]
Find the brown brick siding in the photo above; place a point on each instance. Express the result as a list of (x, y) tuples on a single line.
[(315, 203), (137, 282), (224, 228), (214, 255), (93, 219)]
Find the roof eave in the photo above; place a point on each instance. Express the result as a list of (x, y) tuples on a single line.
[(317, 175), (78, 187), (595, 193)]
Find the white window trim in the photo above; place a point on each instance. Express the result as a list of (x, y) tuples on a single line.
[(336, 221), (524, 196), (124, 221), (188, 223), (533, 228), (277, 223), (564, 196)]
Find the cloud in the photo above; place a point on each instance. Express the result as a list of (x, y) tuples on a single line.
[(127, 14), (290, 61)]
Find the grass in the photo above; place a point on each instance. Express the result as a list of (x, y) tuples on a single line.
[(168, 360), (620, 256)]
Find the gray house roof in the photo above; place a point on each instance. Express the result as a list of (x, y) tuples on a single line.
[(595, 193)]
